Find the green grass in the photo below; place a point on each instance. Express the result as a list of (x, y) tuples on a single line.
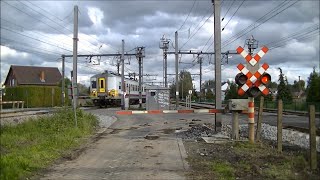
[(35, 144), (223, 170)]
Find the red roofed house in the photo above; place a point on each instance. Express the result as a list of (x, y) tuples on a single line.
[(32, 75), (36, 86)]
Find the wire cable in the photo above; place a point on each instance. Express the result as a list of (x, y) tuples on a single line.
[(194, 2), (233, 14)]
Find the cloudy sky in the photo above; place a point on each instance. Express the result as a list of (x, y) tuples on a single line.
[(38, 32)]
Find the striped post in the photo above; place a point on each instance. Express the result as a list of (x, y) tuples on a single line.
[(251, 119)]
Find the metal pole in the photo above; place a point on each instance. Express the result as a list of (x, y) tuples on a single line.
[(176, 57), (63, 82), (75, 52), (140, 76), (165, 67), (122, 77), (200, 62), (217, 50), (235, 125)]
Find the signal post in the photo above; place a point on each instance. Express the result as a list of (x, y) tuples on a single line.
[(252, 79)]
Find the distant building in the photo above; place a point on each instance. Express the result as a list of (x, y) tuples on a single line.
[(32, 75)]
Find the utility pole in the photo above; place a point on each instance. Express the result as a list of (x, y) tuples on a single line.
[(140, 55), (164, 44), (217, 56), (63, 82), (122, 76), (200, 63), (75, 59), (177, 62), (118, 67)]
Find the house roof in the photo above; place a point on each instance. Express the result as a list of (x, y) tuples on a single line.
[(26, 75)]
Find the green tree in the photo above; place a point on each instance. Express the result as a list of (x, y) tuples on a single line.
[(313, 88), (232, 93), (209, 95), (185, 83), (283, 89), (273, 85)]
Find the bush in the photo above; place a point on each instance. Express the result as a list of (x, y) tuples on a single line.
[(35, 96)]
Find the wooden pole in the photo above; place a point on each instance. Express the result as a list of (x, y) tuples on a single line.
[(312, 129), (258, 133), (279, 126)]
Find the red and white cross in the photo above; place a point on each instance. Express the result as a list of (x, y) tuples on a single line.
[(252, 60)]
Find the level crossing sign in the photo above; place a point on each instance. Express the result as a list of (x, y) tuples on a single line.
[(253, 78)]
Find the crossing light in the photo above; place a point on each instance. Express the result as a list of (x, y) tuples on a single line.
[(241, 79), (266, 79)]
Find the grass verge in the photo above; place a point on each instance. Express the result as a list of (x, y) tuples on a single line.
[(242, 160), (35, 144)]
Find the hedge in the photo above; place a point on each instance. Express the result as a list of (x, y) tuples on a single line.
[(35, 96)]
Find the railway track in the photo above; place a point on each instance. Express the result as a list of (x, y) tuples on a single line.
[(285, 126)]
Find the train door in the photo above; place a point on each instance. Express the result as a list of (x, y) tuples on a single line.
[(102, 85)]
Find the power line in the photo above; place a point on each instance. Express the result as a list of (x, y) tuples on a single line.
[(196, 31), (47, 37), (256, 26), (194, 2), (30, 51), (277, 7), (233, 15), (307, 30), (64, 27), (26, 45), (228, 10), (35, 39)]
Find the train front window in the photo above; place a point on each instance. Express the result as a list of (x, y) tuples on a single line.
[(94, 84), (101, 84)]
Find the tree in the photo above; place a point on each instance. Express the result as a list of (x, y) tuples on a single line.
[(232, 93), (313, 88), (185, 83), (283, 89)]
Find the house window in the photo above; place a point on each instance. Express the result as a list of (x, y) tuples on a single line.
[(13, 82)]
